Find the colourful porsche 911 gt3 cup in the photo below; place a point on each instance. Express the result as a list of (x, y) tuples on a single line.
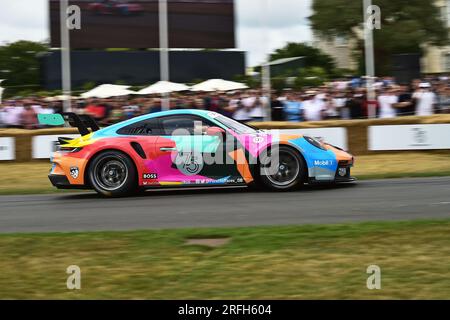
[(190, 148)]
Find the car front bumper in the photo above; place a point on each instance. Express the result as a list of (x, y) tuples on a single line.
[(61, 182), (343, 174)]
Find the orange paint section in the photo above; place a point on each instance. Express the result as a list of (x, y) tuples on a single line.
[(341, 155), (242, 164), (288, 137), (63, 165)]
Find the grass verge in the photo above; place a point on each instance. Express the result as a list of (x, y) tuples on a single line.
[(402, 165), (26, 178), (289, 262), (29, 178)]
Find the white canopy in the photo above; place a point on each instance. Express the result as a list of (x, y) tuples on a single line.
[(107, 91), (164, 87), (218, 85), (60, 98)]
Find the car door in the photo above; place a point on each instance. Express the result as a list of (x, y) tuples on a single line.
[(186, 153), (142, 138)]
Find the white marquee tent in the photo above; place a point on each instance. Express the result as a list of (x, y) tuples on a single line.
[(107, 91), (161, 87), (219, 85)]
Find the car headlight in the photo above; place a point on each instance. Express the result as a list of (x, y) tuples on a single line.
[(316, 143)]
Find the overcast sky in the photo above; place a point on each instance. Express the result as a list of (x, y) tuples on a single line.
[(287, 21)]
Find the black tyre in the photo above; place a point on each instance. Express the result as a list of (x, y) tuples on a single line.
[(286, 171), (113, 174)]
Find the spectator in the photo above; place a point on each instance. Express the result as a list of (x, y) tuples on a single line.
[(96, 110), (443, 98), (293, 108), (313, 107), (425, 100), (405, 105), (258, 111), (246, 105), (2, 116), (155, 105), (11, 114), (28, 118), (386, 100), (240, 112), (277, 108), (354, 105), (337, 105)]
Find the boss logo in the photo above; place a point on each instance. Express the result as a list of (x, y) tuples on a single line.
[(150, 176)]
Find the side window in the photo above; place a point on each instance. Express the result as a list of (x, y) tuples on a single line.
[(182, 125), (149, 127)]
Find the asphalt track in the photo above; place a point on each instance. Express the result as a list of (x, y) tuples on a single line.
[(372, 200)]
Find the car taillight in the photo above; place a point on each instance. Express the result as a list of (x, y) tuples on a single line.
[(67, 149)]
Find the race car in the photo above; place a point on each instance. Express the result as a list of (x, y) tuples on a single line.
[(181, 148), (115, 7)]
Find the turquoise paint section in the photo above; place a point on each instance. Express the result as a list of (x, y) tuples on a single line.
[(111, 131), (203, 144), (322, 165)]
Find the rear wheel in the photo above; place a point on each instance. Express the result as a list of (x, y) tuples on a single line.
[(282, 168), (113, 174)]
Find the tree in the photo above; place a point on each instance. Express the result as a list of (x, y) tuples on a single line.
[(406, 25), (19, 64), (310, 77), (313, 57)]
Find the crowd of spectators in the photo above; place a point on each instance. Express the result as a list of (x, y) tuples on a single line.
[(340, 99)]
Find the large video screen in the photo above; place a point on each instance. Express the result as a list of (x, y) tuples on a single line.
[(135, 24)]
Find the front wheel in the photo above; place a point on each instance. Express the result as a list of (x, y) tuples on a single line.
[(113, 174), (282, 168)]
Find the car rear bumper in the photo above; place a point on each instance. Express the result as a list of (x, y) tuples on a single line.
[(61, 182)]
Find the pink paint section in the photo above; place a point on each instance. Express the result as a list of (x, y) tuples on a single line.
[(254, 143), (163, 166)]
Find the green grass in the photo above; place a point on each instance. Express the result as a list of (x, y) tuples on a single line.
[(289, 262)]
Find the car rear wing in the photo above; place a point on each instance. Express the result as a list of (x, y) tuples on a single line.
[(84, 123)]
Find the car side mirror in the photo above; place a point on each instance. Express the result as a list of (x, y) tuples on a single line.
[(215, 132)]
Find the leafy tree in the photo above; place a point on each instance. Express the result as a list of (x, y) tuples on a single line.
[(406, 25), (19, 64), (88, 86), (314, 57), (250, 81), (310, 77)]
